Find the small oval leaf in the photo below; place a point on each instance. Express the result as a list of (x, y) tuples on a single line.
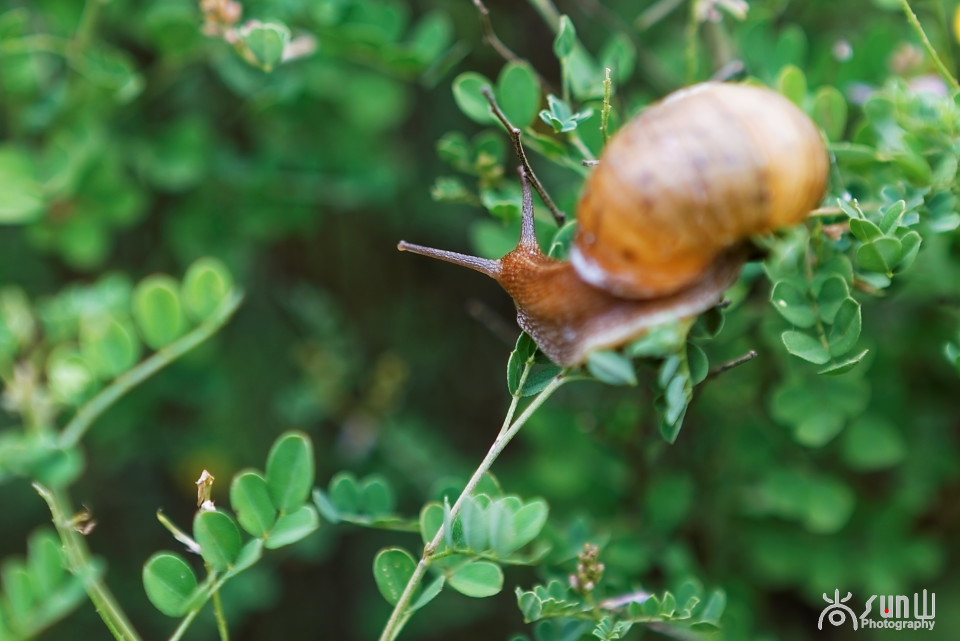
[(805, 346), (467, 92), (250, 497), (205, 285), (157, 311), (170, 583), (392, 569), (292, 527), (480, 579), (219, 539), (109, 345), (290, 470)]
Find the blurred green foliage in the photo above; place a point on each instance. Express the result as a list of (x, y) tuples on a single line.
[(283, 150)]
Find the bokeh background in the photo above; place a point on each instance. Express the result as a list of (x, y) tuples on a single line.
[(148, 144)]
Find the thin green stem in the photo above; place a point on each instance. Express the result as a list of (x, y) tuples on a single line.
[(81, 565), (222, 627), (214, 589), (402, 611), (109, 395), (692, 52), (88, 22), (607, 108), (938, 63), (548, 11), (655, 13), (577, 142), (37, 43)]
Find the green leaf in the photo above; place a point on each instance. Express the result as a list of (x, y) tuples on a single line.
[(292, 527), (250, 553), (713, 608), (873, 443), (500, 523), (531, 606), (266, 42), (206, 285), (833, 292), (345, 493), (250, 498), (21, 199), (910, 246), (219, 539), (469, 97), (517, 362), (792, 303), (290, 471), (697, 363), (619, 55), (429, 593), (45, 561), (325, 506), (538, 378), (170, 583), (69, 377), (914, 167), (893, 215), (157, 311), (660, 340), (376, 496), (846, 328), (611, 367), (818, 427), (518, 93), (805, 346), (479, 579), (392, 569), (566, 38), (473, 520), (108, 343), (20, 595), (829, 506), (431, 520), (529, 521), (792, 83), (865, 230), (830, 112), (844, 366)]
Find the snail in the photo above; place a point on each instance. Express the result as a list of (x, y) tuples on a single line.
[(665, 218)]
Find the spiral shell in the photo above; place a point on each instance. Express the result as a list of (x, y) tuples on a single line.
[(691, 177)]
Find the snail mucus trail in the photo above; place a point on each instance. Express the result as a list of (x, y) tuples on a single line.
[(665, 218)]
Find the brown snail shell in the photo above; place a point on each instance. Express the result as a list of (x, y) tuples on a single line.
[(664, 218), (691, 176)]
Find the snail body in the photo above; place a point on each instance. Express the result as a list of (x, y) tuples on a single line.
[(664, 218)]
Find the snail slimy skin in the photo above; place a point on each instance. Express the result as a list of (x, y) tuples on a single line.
[(664, 219)]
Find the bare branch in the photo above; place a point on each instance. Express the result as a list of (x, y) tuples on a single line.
[(489, 36), (740, 360), (515, 133)]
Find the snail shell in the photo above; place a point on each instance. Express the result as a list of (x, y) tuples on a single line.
[(664, 219), (690, 177)]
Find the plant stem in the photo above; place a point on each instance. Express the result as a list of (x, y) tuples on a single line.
[(548, 11), (81, 565), (692, 52), (938, 63), (88, 21), (217, 583), (559, 216), (490, 36), (220, 617), (109, 395), (401, 612)]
